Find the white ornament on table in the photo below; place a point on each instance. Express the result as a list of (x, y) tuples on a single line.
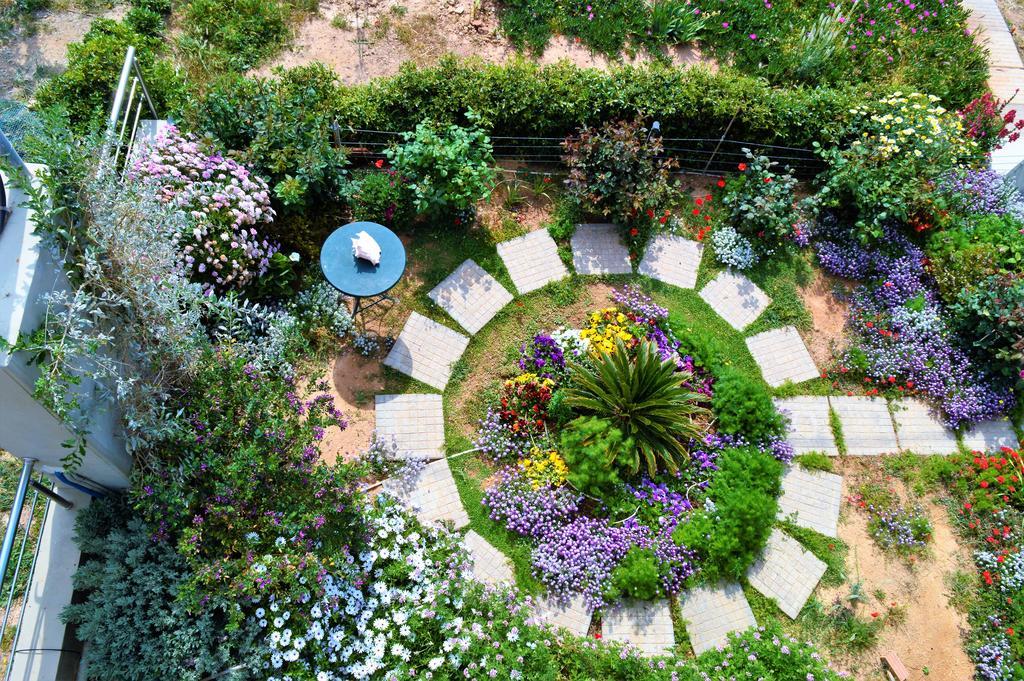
[(364, 246)]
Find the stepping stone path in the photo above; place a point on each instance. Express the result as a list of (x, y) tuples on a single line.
[(415, 421), (735, 298), (645, 625), (426, 351), (490, 565), (809, 427), (812, 499), (673, 260), (786, 572), (431, 495), (990, 436), (867, 426), (597, 249), (782, 356), (712, 613), (471, 296), (532, 260), (919, 431), (574, 616)]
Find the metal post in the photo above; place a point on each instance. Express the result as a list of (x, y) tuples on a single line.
[(66, 504), (14, 520), (122, 85)]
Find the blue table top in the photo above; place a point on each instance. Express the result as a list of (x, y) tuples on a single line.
[(357, 277)]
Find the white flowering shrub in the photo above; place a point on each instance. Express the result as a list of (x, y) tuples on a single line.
[(733, 249), (221, 247), (401, 608)]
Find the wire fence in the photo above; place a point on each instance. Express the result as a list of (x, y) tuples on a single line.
[(705, 156)]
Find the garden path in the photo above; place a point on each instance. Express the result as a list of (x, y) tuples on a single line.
[(811, 499)]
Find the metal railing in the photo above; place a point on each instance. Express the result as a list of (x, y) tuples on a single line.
[(131, 100)]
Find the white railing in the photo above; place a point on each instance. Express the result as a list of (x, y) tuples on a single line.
[(131, 101)]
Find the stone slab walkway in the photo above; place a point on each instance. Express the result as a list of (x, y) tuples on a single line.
[(471, 296), (490, 565), (574, 617), (809, 427), (867, 426), (990, 436), (712, 613), (426, 350), (735, 298), (919, 431), (673, 260), (786, 572), (414, 421), (598, 249), (432, 495), (782, 356), (645, 625), (532, 260), (812, 499)]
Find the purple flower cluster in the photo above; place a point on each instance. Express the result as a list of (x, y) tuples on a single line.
[(993, 661), (659, 494), (901, 330), (635, 301), (981, 191), (536, 513), (497, 440), (898, 528), (543, 356)]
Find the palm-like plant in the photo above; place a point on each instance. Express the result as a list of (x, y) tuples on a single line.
[(644, 397)]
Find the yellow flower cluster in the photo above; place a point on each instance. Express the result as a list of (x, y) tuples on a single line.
[(605, 326), (530, 378), (544, 468), (912, 124)]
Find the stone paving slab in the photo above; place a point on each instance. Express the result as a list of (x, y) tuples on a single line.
[(645, 625), (989, 28), (919, 431), (575, 617), (712, 613), (431, 495), (414, 421), (532, 260), (782, 356), (673, 260), (990, 436), (490, 565), (598, 249), (812, 498), (735, 298), (867, 426), (786, 572), (426, 350), (810, 429), (471, 296)]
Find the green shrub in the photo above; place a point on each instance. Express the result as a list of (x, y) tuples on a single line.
[(729, 535), (131, 618), (234, 35), (973, 249), (94, 66), (744, 407), (381, 197), (589, 446), (762, 204), (636, 576), (448, 168), (991, 317)]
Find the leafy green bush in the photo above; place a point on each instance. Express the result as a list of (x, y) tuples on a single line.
[(131, 618), (729, 533), (94, 65), (991, 316), (744, 407), (234, 35), (448, 169), (381, 197), (281, 128), (972, 250), (643, 397), (762, 204), (636, 576), (589, 446)]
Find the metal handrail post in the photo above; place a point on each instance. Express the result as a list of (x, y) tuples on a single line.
[(15, 519), (145, 90), (17, 567), (122, 85)]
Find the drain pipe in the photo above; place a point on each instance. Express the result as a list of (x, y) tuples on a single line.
[(15, 519)]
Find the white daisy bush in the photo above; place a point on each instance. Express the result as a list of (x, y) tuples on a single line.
[(222, 248), (401, 608)]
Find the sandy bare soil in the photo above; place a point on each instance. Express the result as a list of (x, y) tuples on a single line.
[(827, 337), (354, 381), (40, 50), (931, 635), (383, 34)]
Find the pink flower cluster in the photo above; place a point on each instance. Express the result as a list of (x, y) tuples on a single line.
[(223, 200)]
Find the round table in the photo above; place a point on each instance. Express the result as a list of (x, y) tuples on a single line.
[(360, 278)]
